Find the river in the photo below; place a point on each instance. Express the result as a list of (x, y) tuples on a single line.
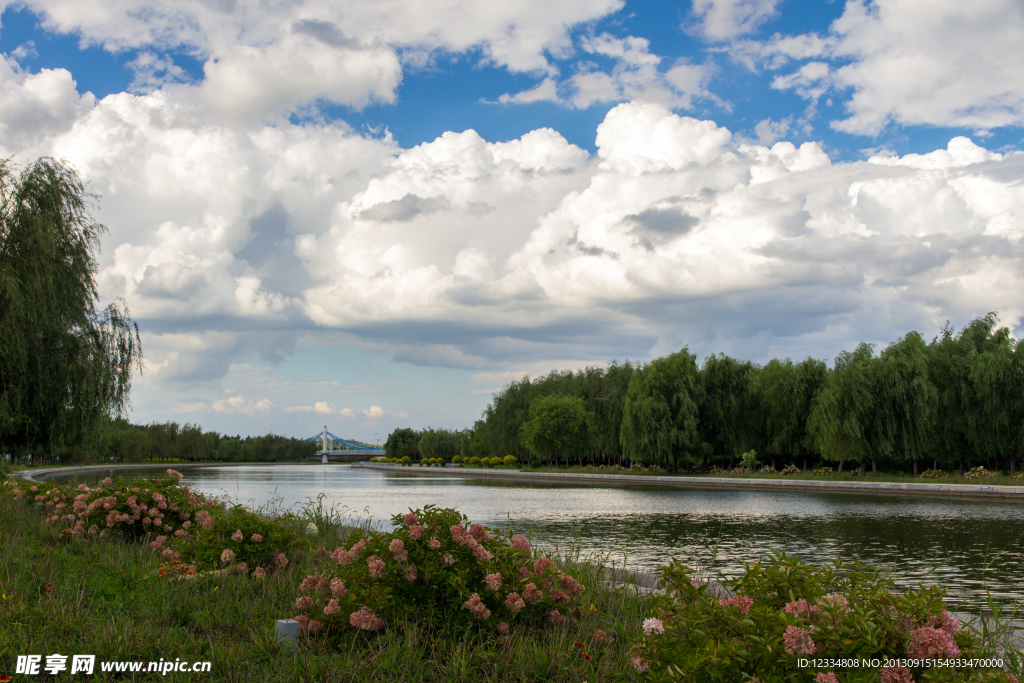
[(966, 545)]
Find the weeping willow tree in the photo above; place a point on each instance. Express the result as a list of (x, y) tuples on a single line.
[(65, 363)]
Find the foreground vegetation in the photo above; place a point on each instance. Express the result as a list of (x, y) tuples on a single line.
[(432, 599)]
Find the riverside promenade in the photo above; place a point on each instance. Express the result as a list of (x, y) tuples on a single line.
[(984, 491)]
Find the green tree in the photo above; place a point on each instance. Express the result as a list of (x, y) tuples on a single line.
[(441, 443), (906, 394), (725, 406), (560, 427), (402, 443), (65, 364), (787, 392), (659, 417)]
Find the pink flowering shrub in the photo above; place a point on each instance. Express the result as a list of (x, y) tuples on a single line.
[(782, 610), (174, 521), (434, 562)]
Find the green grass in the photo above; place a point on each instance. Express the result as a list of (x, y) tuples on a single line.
[(849, 475), (104, 597)]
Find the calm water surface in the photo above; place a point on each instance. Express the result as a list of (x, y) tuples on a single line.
[(963, 544)]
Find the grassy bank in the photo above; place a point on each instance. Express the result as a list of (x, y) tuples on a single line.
[(995, 479), (106, 596)]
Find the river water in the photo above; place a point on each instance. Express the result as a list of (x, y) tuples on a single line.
[(966, 545)]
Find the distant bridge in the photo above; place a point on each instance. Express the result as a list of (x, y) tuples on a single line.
[(332, 446)]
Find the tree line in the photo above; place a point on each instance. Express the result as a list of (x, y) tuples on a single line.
[(952, 403), (119, 441)]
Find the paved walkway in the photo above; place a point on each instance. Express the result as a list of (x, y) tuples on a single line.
[(905, 488)]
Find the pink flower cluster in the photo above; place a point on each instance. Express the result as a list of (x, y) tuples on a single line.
[(531, 594), (477, 607), (410, 519), (797, 641), (344, 557), (493, 581), (376, 566), (741, 603), (520, 543), (945, 622), (315, 583), (398, 551), (434, 544), (542, 565), (478, 532), (447, 559), (838, 602), (338, 588), (416, 531), (204, 519), (653, 625), (932, 643), (174, 474), (571, 586), (896, 674), (237, 536), (801, 609), (514, 602), (830, 677), (482, 554), (256, 538), (228, 555), (332, 607), (364, 620), (462, 537)]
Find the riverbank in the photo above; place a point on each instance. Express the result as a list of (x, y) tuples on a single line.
[(985, 491), (37, 475)]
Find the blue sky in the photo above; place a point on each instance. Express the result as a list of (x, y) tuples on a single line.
[(375, 214)]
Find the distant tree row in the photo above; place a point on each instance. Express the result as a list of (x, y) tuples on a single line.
[(117, 441), (954, 403)]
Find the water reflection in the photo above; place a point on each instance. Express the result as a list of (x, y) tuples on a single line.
[(926, 539)]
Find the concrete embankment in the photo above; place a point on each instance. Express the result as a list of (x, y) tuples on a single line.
[(40, 475), (990, 491)]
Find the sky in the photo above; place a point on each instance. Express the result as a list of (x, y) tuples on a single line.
[(374, 214)]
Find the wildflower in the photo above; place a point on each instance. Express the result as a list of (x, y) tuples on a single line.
[(797, 641), (281, 560), (240, 568), (542, 565), (478, 532), (932, 643), (477, 607), (303, 620), (532, 595), (93, 530), (376, 566), (304, 603), (416, 531), (180, 533), (895, 674), (205, 519), (559, 597), (514, 602), (482, 554), (186, 525), (258, 573), (524, 573), (410, 519), (945, 622), (176, 475), (314, 626), (256, 538), (653, 625), (410, 573), (838, 602), (571, 586), (398, 551), (520, 543), (341, 556), (310, 583), (503, 628), (332, 607), (447, 559), (364, 620), (357, 549), (338, 588), (830, 678), (168, 528), (237, 536), (639, 663), (493, 581), (161, 539), (228, 555), (555, 617), (742, 603), (462, 537), (434, 544), (167, 553), (107, 481), (601, 638), (801, 609)]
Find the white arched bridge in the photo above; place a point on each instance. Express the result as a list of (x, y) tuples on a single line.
[(335, 446)]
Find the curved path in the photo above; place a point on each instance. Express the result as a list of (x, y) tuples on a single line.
[(912, 488)]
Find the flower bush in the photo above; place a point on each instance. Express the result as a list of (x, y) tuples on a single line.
[(180, 524), (978, 473), (790, 469), (933, 474), (783, 610), (821, 471), (434, 562)]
